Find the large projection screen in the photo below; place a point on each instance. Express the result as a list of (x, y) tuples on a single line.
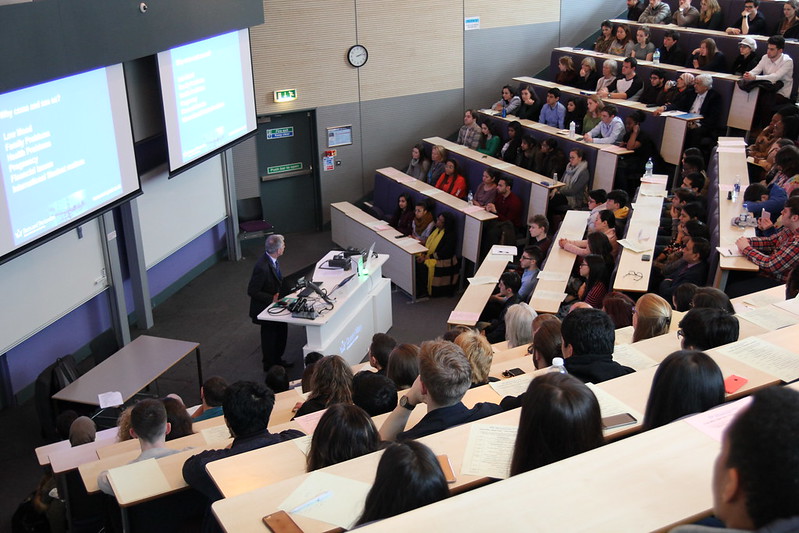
[(67, 154), (208, 95)]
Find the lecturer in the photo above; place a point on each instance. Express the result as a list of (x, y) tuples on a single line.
[(264, 289)]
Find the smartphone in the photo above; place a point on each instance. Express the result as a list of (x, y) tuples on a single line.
[(646, 257), (513, 372), (281, 522), (733, 383), (446, 467), (399, 236), (617, 421)]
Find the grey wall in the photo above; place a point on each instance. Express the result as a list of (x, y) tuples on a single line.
[(580, 18), (345, 183)]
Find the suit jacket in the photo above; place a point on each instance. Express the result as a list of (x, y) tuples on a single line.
[(711, 111), (697, 275), (263, 286)]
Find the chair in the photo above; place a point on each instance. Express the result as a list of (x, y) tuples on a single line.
[(251, 219)]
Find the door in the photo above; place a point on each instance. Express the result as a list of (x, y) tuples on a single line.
[(289, 186)]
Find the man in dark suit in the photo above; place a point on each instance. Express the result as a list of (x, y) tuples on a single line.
[(264, 289), (704, 133), (692, 268)]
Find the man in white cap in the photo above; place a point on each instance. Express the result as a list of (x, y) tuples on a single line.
[(747, 59)]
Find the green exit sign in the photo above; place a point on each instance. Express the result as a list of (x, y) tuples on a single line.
[(279, 169), (286, 95)]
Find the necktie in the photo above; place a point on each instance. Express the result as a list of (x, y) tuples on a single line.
[(277, 269)]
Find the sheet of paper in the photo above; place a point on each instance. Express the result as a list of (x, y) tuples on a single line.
[(138, 480), (482, 280), (713, 423), (405, 241), (672, 113), (489, 450), (549, 275), (473, 209), (770, 317), (653, 189), (342, 508), (512, 386), (434, 192), (503, 250), (303, 443), (430, 191), (765, 356), (609, 405), (110, 399), (729, 251), (458, 317), (549, 295), (405, 179), (792, 305), (216, 434), (309, 422), (655, 178), (636, 246), (729, 149), (763, 298), (737, 141), (627, 355)]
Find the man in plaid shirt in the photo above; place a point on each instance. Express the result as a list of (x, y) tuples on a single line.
[(469, 134), (777, 254)]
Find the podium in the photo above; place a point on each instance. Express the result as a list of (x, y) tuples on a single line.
[(361, 308)]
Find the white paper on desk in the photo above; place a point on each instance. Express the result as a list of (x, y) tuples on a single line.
[(713, 423), (765, 298), (672, 113), (628, 355), (138, 480), (546, 275), (737, 141), (342, 508), (473, 208), (792, 305), (635, 245), (770, 317), (405, 179), (765, 356), (512, 386), (503, 250), (729, 251), (303, 443), (482, 280), (549, 295), (309, 422), (405, 241), (658, 193), (433, 192), (110, 399), (488, 112), (216, 434), (489, 450), (730, 149), (609, 405), (655, 178)]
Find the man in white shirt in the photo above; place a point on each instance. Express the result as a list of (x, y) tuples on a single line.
[(610, 129), (776, 67)]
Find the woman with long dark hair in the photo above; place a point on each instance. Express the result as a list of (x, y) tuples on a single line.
[(343, 433)]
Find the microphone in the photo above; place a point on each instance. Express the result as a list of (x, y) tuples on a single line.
[(318, 290)]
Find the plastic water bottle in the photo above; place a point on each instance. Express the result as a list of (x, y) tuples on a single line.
[(557, 366), (504, 110), (470, 197), (656, 56), (648, 168), (555, 176), (572, 130), (736, 189)]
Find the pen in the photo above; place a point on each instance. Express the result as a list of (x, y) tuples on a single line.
[(322, 497)]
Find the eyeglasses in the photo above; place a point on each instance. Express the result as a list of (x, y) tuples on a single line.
[(637, 276), (530, 350), (526, 258), (680, 334)]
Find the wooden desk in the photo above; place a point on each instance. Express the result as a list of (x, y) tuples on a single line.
[(352, 227), (130, 369), (43, 452), (540, 186), (668, 133), (473, 219), (548, 294), (642, 227), (732, 167), (474, 299)]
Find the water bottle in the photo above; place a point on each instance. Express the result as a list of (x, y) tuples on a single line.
[(572, 130), (656, 56), (736, 189), (504, 110), (557, 366), (469, 197), (555, 176), (648, 168)]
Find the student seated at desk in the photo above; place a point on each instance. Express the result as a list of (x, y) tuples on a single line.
[(651, 318), (681, 299), (588, 336), (486, 192), (403, 365), (529, 261), (469, 133), (691, 268), (178, 418), (706, 328), (247, 407), (489, 139), (479, 354), (444, 377), (560, 418), (498, 304), (547, 341), (402, 220), (331, 384), (539, 234), (594, 270), (626, 87), (551, 160), (451, 181), (509, 101), (379, 350), (518, 324), (755, 485), (618, 201), (575, 112), (597, 199), (510, 150), (438, 272), (343, 433), (620, 308), (610, 129), (553, 112), (419, 164), (713, 298), (685, 383), (632, 166), (422, 224), (374, 393), (707, 57), (606, 225), (149, 425), (408, 477), (212, 393)]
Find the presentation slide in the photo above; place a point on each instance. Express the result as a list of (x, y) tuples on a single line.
[(207, 89), (67, 151)]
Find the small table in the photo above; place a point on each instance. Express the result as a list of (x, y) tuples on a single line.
[(130, 369)]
